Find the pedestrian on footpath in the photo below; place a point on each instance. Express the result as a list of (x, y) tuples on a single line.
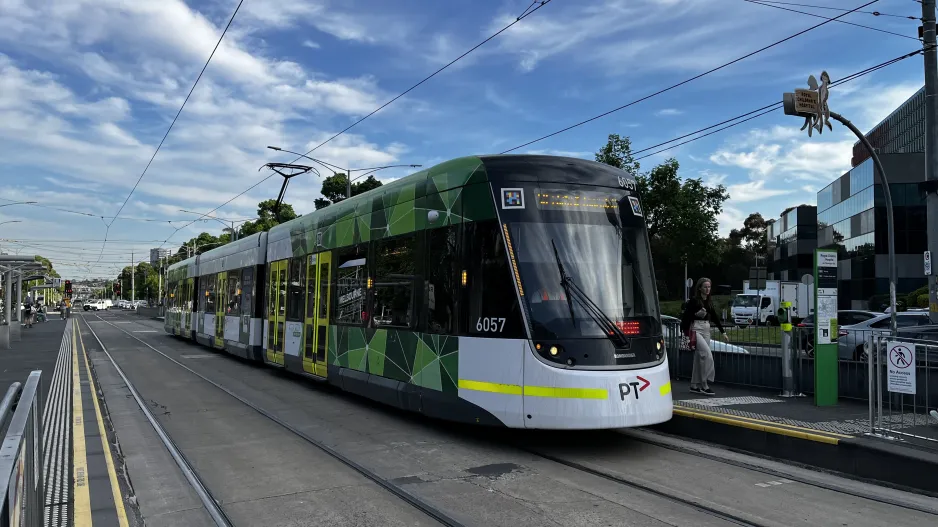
[(28, 313), (695, 322)]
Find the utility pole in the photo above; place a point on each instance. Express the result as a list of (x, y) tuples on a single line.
[(133, 273), (931, 149)]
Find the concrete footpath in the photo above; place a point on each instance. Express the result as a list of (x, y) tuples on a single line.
[(37, 349), (794, 429)]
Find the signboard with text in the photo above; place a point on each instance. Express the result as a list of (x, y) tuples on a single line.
[(825, 328), (900, 367)]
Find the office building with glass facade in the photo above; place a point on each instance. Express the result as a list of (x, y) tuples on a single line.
[(902, 132), (791, 240), (851, 217)]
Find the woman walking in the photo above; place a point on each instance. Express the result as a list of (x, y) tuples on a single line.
[(695, 322)]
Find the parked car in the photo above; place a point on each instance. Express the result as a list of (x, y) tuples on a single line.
[(846, 317), (671, 327), (851, 340), (925, 339)]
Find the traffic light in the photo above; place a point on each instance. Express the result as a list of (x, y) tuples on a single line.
[(68, 288), (117, 289)]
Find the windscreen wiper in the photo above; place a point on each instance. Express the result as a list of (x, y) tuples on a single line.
[(609, 327)]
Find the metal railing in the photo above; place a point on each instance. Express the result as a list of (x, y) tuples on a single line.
[(903, 375), (21, 485)]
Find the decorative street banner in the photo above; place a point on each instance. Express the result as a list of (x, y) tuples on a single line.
[(900, 367)]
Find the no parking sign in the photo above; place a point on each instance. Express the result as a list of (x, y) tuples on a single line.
[(900, 367)]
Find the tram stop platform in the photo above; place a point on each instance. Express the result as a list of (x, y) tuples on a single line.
[(835, 438), (78, 465)]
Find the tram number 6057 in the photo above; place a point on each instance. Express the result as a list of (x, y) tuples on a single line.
[(490, 324)]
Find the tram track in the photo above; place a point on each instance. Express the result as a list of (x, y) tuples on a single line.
[(714, 510), (212, 506)]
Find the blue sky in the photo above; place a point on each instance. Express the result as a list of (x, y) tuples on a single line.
[(88, 88)]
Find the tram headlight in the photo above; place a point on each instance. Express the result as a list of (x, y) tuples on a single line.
[(554, 351)]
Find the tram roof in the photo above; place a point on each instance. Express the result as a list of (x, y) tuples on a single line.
[(456, 173)]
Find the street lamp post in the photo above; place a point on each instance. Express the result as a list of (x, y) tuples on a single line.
[(348, 171)]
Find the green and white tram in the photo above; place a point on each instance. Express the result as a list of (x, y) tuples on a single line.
[(503, 290)]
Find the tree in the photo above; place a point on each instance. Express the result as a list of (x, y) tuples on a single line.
[(50, 272), (753, 233), (618, 153), (680, 214), (334, 188), (267, 217)]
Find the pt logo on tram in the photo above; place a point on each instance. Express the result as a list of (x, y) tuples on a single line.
[(625, 388)]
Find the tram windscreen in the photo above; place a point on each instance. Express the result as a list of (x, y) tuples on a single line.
[(602, 246)]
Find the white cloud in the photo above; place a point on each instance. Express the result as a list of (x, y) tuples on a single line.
[(311, 44), (669, 112)]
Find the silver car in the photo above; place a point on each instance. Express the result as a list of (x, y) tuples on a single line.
[(852, 340), (671, 327)]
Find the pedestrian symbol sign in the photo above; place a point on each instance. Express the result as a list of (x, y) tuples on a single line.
[(900, 370)]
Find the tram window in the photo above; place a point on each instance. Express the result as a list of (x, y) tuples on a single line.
[(492, 295), (282, 291), (441, 289), (309, 274), (210, 289), (324, 291), (395, 262), (247, 290), (351, 274), (271, 291), (234, 296), (203, 293), (296, 290)]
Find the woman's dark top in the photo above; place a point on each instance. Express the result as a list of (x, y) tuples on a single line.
[(690, 314)]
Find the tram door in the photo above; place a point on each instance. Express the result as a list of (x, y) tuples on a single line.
[(221, 305), (276, 311), (317, 313)]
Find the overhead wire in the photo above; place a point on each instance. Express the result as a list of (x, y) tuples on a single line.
[(874, 13), (686, 81), (173, 123), (767, 4), (527, 12), (764, 110)]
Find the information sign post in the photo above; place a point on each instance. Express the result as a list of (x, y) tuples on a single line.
[(825, 327)]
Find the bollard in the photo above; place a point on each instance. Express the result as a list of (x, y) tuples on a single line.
[(788, 378)]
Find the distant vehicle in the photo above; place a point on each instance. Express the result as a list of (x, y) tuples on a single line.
[(852, 340), (760, 306), (846, 317)]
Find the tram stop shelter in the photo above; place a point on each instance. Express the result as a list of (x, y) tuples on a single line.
[(14, 269)]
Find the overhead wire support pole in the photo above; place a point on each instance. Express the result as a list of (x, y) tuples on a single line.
[(931, 150)]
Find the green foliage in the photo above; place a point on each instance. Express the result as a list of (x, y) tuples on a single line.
[(268, 217), (618, 153), (914, 298), (50, 272), (681, 215), (334, 188)]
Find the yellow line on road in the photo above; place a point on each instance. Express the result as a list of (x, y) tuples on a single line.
[(82, 505), (112, 474)]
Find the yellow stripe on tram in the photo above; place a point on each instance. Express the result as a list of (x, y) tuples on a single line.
[(108, 458), (665, 388), (534, 391), (494, 387), (82, 504)]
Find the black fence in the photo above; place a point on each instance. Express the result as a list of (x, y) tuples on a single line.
[(757, 362)]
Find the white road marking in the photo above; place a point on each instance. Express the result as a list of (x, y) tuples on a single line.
[(147, 331), (773, 483), (205, 356)]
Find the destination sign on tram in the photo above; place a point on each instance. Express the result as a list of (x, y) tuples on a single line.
[(579, 200)]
